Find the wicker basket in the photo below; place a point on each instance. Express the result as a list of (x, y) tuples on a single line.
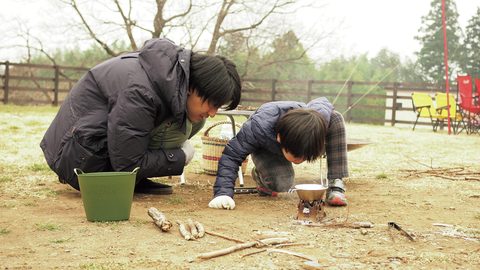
[(212, 148)]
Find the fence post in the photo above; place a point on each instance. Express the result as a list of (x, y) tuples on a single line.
[(309, 90), (5, 85), (274, 86), (394, 103), (349, 101), (55, 88)]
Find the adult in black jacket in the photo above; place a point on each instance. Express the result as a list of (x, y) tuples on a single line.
[(107, 121)]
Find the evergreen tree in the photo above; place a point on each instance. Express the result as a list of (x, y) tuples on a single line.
[(287, 60), (239, 49), (472, 46), (430, 56)]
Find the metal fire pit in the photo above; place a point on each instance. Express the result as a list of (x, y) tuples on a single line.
[(311, 192)]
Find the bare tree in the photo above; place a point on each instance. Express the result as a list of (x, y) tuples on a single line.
[(119, 15), (199, 21), (239, 8)]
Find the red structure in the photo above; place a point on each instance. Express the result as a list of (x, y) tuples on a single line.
[(468, 103)]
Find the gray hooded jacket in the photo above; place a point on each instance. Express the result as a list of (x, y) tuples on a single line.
[(105, 122), (257, 133)]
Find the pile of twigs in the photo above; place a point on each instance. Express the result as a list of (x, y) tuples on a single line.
[(455, 173)]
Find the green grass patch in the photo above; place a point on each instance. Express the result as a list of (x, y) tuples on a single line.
[(381, 176), (37, 167), (30, 204), (5, 178), (48, 192), (8, 204), (140, 223), (47, 227), (4, 231), (113, 225), (33, 123), (61, 241), (104, 266), (175, 200)]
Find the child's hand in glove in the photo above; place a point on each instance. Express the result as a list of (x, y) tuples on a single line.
[(222, 202)]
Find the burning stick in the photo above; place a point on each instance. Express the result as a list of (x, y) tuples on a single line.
[(159, 219), (261, 243)]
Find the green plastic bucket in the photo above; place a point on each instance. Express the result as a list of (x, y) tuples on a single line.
[(107, 196)]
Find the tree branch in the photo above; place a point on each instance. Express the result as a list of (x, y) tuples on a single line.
[(128, 23), (73, 4)]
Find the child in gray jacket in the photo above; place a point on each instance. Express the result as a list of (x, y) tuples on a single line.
[(281, 133)]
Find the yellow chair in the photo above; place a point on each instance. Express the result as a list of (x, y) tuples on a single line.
[(423, 107), (442, 109)]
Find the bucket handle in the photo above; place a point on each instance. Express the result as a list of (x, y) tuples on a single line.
[(77, 170)]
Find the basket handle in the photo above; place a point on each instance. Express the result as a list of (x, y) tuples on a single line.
[(78, 171), (217, 124)]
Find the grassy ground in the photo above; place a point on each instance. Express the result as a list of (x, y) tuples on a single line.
[(417, 177)]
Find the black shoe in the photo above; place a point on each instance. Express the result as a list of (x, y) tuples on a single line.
[(148, 186)]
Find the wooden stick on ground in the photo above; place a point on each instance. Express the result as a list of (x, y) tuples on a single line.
[(296, 254), (260, 243), (254, 252), (224, 237), (159, 219)]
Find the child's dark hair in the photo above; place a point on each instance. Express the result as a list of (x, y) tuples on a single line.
[(302, 133), (216, 79)]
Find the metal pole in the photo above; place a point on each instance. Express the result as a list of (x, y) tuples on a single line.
[(445, 60)]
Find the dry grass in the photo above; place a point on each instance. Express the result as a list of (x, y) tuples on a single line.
[(391, 151), (54, 234)]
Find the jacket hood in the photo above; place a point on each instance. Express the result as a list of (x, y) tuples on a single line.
[(168, 68)]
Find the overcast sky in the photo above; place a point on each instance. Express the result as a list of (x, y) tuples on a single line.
[(366, 25)]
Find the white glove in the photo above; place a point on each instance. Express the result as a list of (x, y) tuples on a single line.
[(189, 151), (222, 202)]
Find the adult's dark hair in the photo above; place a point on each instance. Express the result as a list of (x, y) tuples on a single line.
[(302, 133), (216, 79)]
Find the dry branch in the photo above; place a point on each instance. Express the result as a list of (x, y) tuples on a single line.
[(296, 254), (454, 174), (354, 225), (254, 252), (193, 230), (159, 219), (200, 229), (224, 237), (183, 231), (260, 243)]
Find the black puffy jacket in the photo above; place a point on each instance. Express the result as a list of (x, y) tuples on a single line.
[(105, 122)]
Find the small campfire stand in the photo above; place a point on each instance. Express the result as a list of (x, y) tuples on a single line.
[(311, 211), (311, 206)]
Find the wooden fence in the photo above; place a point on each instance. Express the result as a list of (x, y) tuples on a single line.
[(361, 102)]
